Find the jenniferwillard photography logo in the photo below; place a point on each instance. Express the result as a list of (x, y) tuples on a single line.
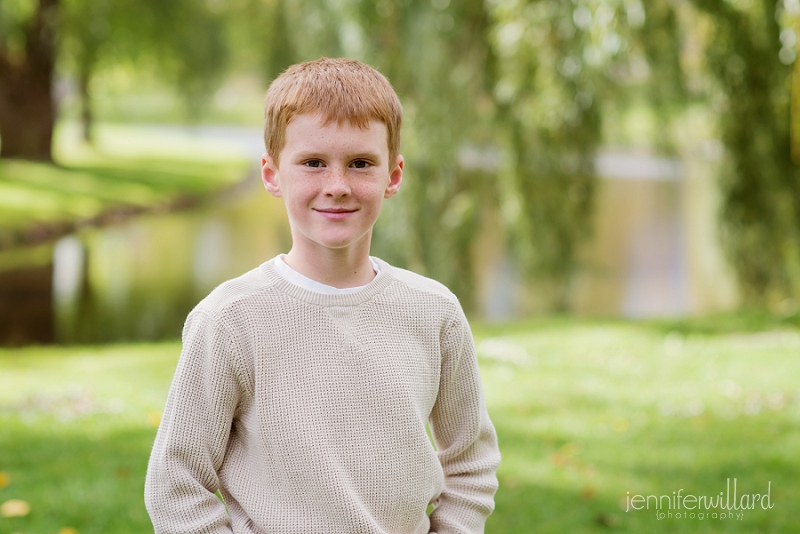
[(727, 505)]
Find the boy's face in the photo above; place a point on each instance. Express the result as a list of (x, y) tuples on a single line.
[(333, 180)]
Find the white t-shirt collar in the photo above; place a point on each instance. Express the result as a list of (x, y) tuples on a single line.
[(290, 275)]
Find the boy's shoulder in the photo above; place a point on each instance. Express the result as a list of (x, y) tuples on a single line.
[(421, 283), (425, 293), (235, 291)]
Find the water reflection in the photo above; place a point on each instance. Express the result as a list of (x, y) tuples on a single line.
[(26, 310), (69, 282), (139, 280)]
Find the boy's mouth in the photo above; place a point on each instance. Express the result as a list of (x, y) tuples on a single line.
[(334, 213)]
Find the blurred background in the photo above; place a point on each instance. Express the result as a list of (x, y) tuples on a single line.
[(581, 173), (607, 158)]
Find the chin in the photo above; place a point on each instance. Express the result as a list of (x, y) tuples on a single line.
[(337, 244)]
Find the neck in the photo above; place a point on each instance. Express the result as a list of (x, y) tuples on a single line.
[(340, 268)]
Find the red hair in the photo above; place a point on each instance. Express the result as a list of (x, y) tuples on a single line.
[(339, 90)]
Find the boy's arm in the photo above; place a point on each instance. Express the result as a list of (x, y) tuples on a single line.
[(193, 434), (465, 438)]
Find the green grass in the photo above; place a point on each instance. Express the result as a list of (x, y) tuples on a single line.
[(128, 170), (37, 193), (78, 425), (589, 412), (585, 411)]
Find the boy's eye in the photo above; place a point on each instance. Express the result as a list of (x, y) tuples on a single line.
[(360, 164), (313, 163)]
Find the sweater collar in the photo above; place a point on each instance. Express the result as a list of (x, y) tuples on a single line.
[(367, 292)]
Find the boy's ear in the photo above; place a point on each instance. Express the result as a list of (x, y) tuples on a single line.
[(269, 175), (395, 177)]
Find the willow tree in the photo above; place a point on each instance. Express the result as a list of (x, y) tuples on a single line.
[(28, 40), (750, 53), (659, 35), (553, 71), (184, 38)]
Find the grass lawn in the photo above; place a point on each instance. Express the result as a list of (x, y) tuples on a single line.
[(113, 177), (586, 412)]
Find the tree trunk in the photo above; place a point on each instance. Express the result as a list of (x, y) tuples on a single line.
[(87, 118), (27, 109)]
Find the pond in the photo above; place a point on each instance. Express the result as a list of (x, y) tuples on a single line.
[(138, 280)]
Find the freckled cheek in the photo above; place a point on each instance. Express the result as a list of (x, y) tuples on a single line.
[(302, 193), (368, 191)]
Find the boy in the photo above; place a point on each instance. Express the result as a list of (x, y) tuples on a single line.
[(304, 386)]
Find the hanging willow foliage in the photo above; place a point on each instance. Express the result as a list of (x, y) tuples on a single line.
[(526, 84), (750, 54), (555, 65), (519, 83), (546, 95)]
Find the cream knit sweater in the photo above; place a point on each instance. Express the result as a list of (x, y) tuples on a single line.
[(307, 412)]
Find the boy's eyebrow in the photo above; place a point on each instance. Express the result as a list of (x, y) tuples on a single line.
[(320, 155), (367, 155)]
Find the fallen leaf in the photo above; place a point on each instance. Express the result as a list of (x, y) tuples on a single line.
[(606, 520), (5, 479), (15, 508), (67, 530)]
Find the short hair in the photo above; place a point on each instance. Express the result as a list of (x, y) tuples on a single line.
[(338, 89)]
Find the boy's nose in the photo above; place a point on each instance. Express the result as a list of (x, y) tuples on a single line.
[(337, 184)]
